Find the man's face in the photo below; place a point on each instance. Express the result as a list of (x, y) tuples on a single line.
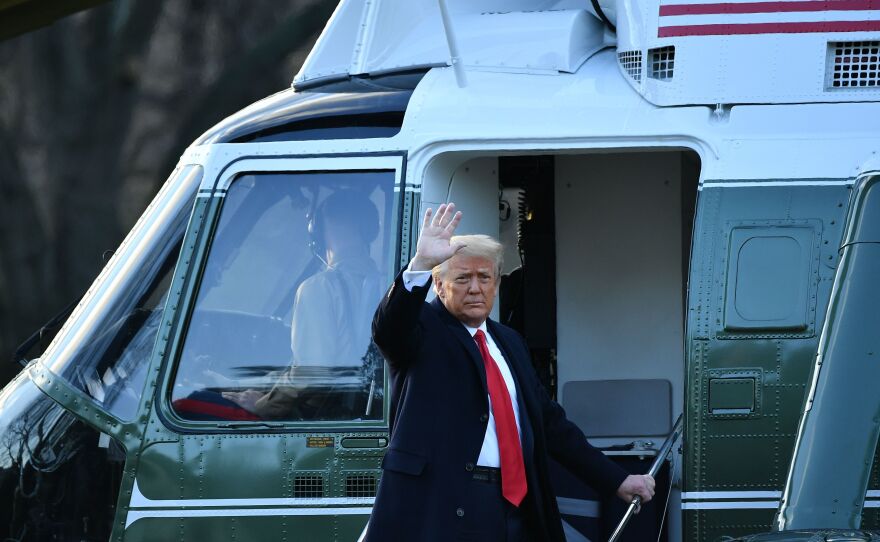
[(467, 288)]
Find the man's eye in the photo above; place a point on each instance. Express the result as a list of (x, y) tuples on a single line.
[(461, 280)]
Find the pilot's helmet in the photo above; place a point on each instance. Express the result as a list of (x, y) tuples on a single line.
[(347, 207)]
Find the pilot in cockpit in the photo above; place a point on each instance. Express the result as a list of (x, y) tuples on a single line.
[(333, 360)]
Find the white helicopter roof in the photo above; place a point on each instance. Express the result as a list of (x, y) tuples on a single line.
[(672, 52), (372, 37)]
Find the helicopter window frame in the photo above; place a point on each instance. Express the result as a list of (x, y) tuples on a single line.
[(103, 318), (396, 228)]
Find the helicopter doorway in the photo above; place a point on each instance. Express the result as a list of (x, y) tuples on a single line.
[(597, 250), (602, 245), (621, 235)]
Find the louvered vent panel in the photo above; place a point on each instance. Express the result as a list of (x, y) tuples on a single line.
[(662, 63), (853, 64), (631, 62), (309, 486), (360, 485)]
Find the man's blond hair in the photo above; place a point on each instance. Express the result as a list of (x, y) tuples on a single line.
[(476, 246)]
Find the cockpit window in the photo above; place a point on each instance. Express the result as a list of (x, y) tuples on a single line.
[(280, 329), (105, 346)]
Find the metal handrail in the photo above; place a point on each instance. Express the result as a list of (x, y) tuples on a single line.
[(655, 467)]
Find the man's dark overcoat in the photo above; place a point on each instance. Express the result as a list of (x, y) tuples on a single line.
[(439, 413)]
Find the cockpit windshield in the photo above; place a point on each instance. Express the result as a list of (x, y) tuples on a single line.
[(280, 329), (104, 347)]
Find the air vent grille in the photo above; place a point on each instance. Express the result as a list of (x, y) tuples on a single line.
[(360, 485), (662, 63), (309, 486), (631, 62), (853, 64)]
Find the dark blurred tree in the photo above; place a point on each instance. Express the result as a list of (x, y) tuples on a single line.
[(94, 112)]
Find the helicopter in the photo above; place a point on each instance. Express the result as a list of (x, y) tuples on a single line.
[(687, 193)]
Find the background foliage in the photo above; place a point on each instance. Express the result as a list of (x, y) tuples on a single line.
[(95, 111)]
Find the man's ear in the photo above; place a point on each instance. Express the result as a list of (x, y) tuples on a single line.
[(438, 289)]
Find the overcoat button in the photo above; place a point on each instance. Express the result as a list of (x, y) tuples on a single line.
[(469, 467), (460, 512), (484, 418)]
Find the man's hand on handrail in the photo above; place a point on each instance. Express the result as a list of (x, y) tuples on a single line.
[(641, 485)]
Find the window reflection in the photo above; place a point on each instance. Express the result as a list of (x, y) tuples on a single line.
[(281, 326), (105, 347)]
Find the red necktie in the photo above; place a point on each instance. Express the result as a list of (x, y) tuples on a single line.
[(513, 472)]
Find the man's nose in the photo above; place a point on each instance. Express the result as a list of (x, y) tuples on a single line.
[(474, 286)]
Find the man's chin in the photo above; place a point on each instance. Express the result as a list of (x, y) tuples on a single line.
[(476, 317)]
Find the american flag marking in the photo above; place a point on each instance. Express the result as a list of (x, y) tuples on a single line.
[(697, 18)]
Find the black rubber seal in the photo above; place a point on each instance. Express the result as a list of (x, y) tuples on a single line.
[(598, 9)]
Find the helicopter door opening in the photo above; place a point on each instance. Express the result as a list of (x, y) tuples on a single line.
[(597, 251)]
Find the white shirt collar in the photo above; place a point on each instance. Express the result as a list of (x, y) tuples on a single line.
[(473, 330)]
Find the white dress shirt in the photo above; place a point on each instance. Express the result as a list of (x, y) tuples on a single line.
[(489, 454)]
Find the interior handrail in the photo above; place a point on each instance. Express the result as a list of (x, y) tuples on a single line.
[(655, 467)]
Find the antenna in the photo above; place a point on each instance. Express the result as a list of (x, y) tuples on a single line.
[(455, 60)]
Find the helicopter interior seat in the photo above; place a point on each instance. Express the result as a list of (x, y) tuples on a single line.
[(620, 409)]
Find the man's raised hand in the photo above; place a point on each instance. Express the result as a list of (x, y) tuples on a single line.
[(434, 247)]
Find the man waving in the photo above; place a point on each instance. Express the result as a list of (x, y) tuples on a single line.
[(471, 426)]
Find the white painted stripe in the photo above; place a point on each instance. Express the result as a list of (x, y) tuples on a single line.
[(340, 163), (729, 505), (139, 500), (226, 503), (691, 495), (780, 17), (134, 515), (740, 184), (748, 505)]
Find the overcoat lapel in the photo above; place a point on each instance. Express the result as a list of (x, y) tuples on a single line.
[(529, 410), (526, 401), (461, 334)]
